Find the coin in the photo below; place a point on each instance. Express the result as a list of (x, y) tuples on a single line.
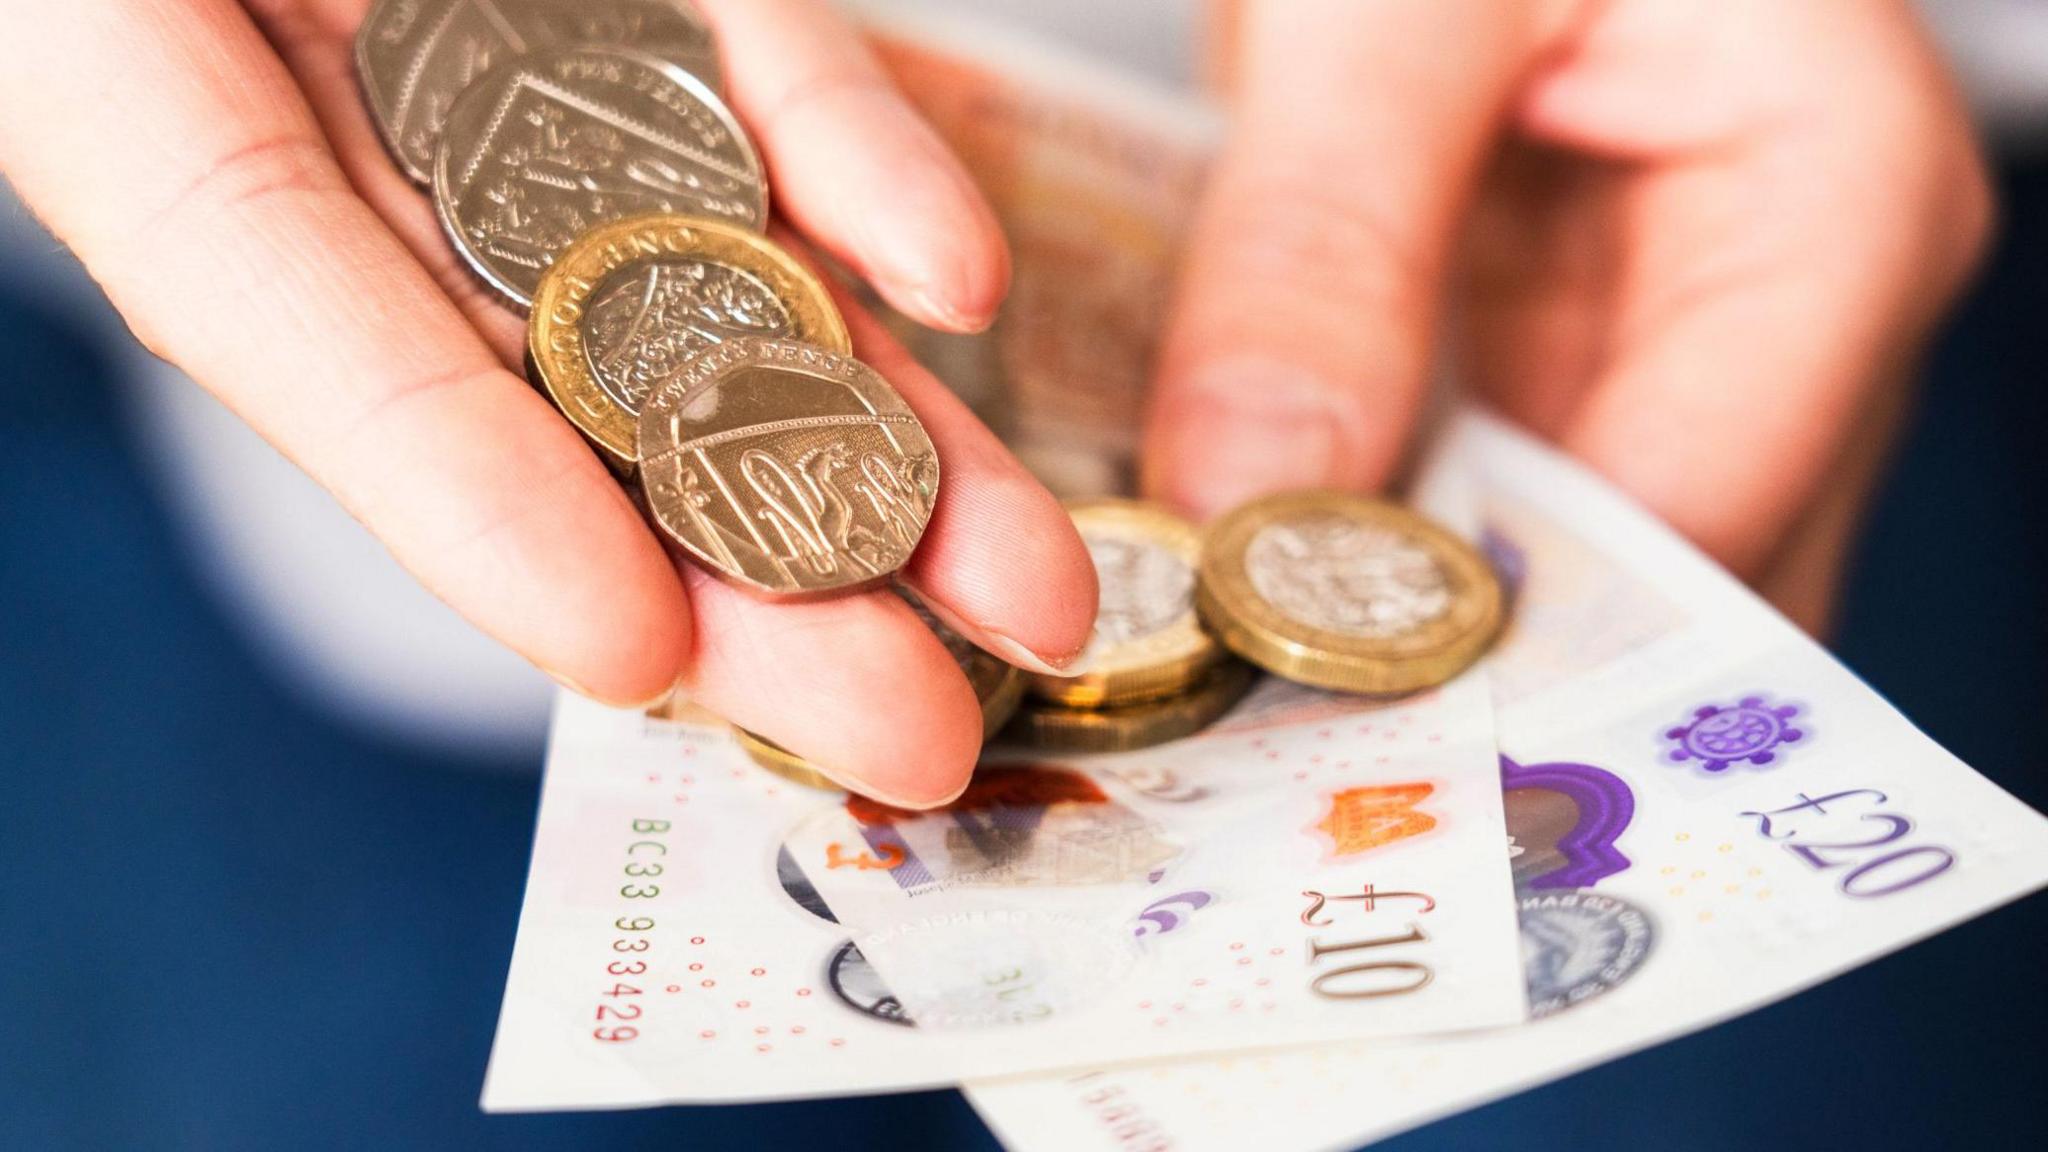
[(414, 57), (1052, 728), (781, 761), (997, 684), (627, 304), (679, 709), (1346, 593), (1148, 640), (785, 468), (549, 145)]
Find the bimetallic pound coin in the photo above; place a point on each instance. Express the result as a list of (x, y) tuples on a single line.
[(1052, 728), (625, 306), (414, 57), (549, 145), (781, 761), (1148, 640), (997, 684), (1346, 593), (786, 469)]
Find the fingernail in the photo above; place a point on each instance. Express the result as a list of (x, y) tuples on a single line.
[(934, 306), (1016, 653), (572, 685), (923, 251), (1008, 647), (900, 802), (1241, 428)]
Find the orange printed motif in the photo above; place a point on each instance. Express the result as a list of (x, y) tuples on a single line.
[(1023, 786), (1362, 819), (891, 858)]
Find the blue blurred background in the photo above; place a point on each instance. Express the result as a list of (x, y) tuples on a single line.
[(233, 918)]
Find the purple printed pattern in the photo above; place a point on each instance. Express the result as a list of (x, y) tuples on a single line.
[(1719, 736), (1509, 562), (1163, 916), (1604, 804)]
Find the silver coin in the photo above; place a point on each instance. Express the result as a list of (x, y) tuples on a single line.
[(1579, 944), (551, 144), (415, 57)]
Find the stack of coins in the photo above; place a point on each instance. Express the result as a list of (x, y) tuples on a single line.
[(584, 165), (1322, 588), (1151, 672)]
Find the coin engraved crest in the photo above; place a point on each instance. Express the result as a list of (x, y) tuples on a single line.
[(1333, 573), (416, 56), (787, 469), (552, 144), (652, 318)]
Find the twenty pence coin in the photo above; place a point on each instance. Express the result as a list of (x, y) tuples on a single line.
[(414, 57), (550, 145), (786, 469)]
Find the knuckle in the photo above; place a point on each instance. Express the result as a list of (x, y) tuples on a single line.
[(283, 164), (1972, 213), (839, 90), (387, 403), (1327, 242)]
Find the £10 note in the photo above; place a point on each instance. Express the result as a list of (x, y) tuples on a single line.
[(698, 930), (1706, 813)]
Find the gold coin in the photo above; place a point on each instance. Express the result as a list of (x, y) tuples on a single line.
[(781, 761), (678, 709), (1052, 728), (627, 304), (1347, 593), (1148, 640), (786, 468), (998, 685)]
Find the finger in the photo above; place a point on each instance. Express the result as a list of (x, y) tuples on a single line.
[(1001, 562), (855, 167), (1298, 349), (856, 685), (237, 250), (1783, 268), (1804, 578), (316, 41)]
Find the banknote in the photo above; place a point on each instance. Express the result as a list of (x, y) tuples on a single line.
[(1094, 176), (1706, 813), (698, 930)]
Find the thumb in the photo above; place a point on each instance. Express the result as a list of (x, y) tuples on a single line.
[(1299, 344)]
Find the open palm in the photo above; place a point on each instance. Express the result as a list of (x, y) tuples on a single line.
[(213, 165)]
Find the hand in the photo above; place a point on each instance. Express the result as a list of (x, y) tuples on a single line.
[(212, 164), (1696, 242)]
